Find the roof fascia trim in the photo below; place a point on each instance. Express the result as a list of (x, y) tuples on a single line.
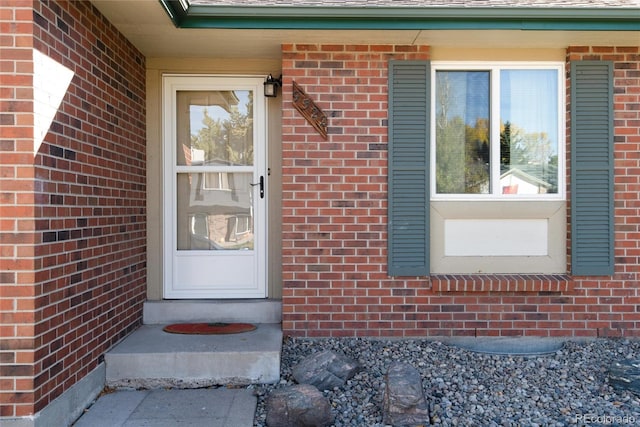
[(394, 18)]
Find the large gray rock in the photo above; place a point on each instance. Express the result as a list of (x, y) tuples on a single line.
[(325, 370), (300, 405), (625, 375), (404, 402)]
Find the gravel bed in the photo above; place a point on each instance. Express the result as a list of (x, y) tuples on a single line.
[(464, 388)]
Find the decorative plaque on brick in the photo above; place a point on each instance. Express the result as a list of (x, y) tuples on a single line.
[(309, 110)]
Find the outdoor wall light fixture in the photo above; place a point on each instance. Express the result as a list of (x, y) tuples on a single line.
[(271, 86)]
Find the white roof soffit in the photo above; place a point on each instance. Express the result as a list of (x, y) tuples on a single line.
[(149, 27)]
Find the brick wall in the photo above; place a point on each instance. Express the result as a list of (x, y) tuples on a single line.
[(72, 252), (335, 218), (17, 298)]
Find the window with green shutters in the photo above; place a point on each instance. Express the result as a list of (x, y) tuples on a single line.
[(412, 164)]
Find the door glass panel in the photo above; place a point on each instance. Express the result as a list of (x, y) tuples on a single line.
[(214, 159), (215, 128), (215, 211)]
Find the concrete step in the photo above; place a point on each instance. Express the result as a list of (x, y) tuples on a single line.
[(152, 358), (252, 311)]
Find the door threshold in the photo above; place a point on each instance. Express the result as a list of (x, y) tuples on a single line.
[(235, 310)]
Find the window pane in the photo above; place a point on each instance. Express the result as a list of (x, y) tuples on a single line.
[(215, 211), (528, 131), (215, 128), (462, 132)]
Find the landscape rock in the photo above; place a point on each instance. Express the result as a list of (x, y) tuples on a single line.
[(467, 388), (325, 370), (625, 375), (404, 402), (300, 405)]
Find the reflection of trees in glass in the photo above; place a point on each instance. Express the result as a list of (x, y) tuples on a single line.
[(450, 156), (462, 157), (520, 148), (505, 144), (449, 141), (462, 151), (477, 157), (463, 135), (228, 140), (530, 152)]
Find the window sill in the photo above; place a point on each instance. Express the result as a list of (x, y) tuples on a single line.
[(501, 283)]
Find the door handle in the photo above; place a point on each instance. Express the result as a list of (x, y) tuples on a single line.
[(261, 184)]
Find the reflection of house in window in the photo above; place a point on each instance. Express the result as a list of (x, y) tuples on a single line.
[(193, 156), (237, 227), (199, 233), (216, 181), (220, 231), (220, 211), (516, 181)]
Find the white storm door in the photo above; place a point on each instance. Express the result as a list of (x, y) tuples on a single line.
[(214, 187)]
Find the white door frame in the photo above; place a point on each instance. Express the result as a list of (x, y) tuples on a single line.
[(197, 274)]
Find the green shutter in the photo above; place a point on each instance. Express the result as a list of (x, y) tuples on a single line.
[(409, 108), (592, 219)]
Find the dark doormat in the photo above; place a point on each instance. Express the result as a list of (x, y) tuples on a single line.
[(217, 328)]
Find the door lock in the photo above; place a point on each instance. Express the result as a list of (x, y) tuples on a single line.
[(261, 184)]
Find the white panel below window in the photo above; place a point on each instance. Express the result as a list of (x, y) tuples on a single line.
[(522, 237)]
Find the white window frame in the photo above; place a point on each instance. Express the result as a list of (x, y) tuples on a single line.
[(494, 67)]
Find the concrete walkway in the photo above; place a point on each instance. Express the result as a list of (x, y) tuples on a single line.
[(210, 407)]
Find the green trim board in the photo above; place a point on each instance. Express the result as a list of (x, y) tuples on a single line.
[(185, 15)]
